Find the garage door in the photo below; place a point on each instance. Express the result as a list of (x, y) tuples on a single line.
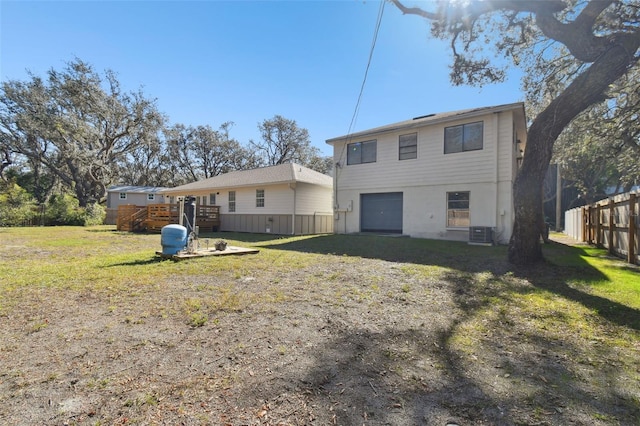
[(381, 212)]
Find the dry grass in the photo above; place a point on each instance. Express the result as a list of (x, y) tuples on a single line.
[(312, 330)]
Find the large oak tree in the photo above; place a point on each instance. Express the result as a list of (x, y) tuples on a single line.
[(599, 38), (77, 124)]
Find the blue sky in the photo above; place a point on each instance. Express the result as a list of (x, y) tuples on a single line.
[(209, 62)]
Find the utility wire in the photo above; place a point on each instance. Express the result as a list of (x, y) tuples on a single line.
[(364, 81), (366, 72)]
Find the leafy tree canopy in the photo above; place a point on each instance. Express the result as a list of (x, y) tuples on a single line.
[(283, 141), (76, 123)]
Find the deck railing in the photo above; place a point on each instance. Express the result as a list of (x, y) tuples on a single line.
[(155, 216)]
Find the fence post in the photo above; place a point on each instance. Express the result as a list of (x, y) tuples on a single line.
[(632, 229), (612, 205), (585, 224), (598, 222)]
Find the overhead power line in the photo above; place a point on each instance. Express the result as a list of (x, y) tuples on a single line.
[(366, 73)]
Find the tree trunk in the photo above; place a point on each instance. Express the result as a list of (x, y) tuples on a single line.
[(586, 90), (524, 246)]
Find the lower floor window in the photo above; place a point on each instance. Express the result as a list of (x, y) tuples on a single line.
[(259, 197), (232, 201), (458, 209)]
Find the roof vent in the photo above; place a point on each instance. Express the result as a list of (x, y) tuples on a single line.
[(423, 116)]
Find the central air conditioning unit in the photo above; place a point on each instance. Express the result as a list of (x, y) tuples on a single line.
[(481, 235)]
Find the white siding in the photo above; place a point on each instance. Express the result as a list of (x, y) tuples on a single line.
[(139, 199), (431, 167), (487, 174), (278, 199), (312, 199)]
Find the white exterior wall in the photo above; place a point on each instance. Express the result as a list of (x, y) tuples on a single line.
[(488, 175), (137, 198), (312, 199), (278, 199)]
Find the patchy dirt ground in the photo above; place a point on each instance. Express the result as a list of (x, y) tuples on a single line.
[(338, 340)]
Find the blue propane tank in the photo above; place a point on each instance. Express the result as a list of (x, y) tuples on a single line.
[(173, 239)]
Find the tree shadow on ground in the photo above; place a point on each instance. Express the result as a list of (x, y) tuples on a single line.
[(469, 258), (554, 278), (453, 254), (425, 376), (533, 377)]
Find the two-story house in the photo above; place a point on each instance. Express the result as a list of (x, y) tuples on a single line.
[(441, 176)]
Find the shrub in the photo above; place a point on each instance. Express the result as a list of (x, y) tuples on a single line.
[(17, 206), (63, 209), (94, 214)]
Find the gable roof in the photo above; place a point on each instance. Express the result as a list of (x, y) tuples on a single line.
[(431, 119), (271, 175), (130, 189)]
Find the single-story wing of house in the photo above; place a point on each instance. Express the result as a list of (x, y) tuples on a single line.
[(128, 194), (287, 199), (442, 176)]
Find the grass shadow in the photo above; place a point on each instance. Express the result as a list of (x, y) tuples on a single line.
[(566, 263), (453, 254), (141, 262)]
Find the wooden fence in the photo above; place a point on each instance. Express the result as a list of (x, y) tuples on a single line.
[(611, 224)]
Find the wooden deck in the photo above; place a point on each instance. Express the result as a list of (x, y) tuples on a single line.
[(154, 217)]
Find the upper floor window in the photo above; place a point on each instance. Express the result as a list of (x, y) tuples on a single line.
[(232, 201), (466, 137), (151, 197), (361, 152), (408, 146), (259, 197), (123, 195)]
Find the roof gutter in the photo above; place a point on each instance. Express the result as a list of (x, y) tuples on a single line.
[(407, 125)]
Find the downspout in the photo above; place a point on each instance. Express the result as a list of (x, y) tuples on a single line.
[(292, 186), (496, 124), (338, 165)]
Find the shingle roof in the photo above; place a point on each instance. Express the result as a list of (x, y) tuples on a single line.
[(429, 119), (136, 189), (282, 173)]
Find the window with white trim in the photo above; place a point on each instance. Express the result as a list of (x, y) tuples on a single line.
[(466, 137), (362, 152), (408, 146), (458, 209), (151, 197), (212, 199), (123, 195), (259, 197), (232, 201)]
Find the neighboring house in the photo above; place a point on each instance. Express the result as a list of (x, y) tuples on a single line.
[(442, 176), (283, 199), (127, 194)]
